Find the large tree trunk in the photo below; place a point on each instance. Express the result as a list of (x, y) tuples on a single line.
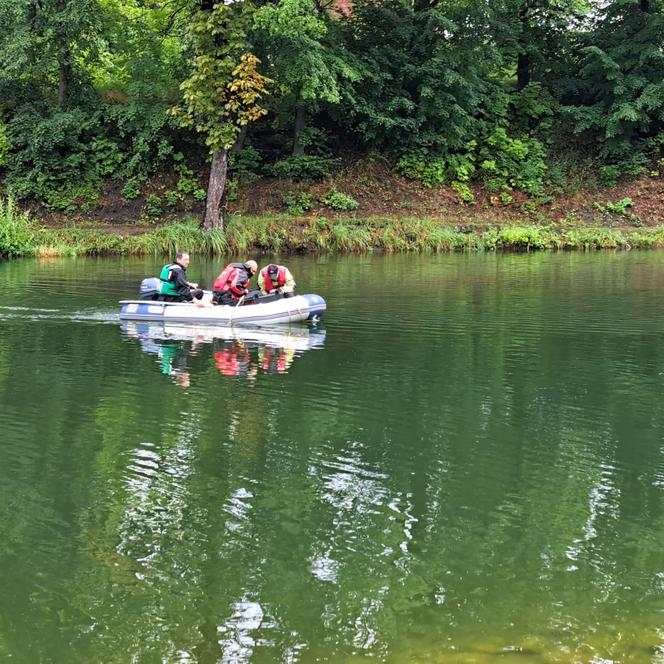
[(63, 82), (239, 141), (213, 216), (522, 71), (300, 126)]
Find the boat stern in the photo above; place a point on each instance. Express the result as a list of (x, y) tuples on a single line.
[(316, 305)]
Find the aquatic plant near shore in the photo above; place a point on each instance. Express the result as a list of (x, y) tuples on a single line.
[(17, 232), (19, 236)]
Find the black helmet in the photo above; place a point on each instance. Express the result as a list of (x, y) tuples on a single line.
[(273, 270)]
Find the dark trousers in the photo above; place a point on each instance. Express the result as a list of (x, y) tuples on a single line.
[(195, 294), (226, 297)]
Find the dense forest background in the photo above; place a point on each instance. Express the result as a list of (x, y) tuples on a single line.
[(507, 95)]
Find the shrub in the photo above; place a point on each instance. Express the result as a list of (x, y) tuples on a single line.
[(153, 206), (631, 167), (337, 200), (303, 167), (187, 185), (620, 207), (428, 170), (507, 162), (245, 162), (52, 156), (463, 191), (172, 198), (298, 203), (199, 194), (107, 156), (131, 190)]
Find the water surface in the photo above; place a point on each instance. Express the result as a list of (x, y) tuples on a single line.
[(463, 463)]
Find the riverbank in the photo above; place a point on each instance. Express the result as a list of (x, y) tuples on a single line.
[(363, 207), (276, 234)]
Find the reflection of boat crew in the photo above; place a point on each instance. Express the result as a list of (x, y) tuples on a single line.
[(233, 283), (233, 359), (173, 363), (276, 278), (275, 360), (173, 284)]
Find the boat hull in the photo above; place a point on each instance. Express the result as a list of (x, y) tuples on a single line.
[(285, 310)]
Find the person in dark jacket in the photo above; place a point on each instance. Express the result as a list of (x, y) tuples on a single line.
[(173, 284), (232, 285)]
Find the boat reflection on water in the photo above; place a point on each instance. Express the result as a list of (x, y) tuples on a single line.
[(234, 351)]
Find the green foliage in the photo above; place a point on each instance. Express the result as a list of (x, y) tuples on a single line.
[(430, 171), (131, 190), (619, 207), (52, 156), (223, 92), (463, 191), (5, 145), (632, 166), (303, 52), (187, 185), (172, 198), (350, 239), (17, 234), (337, 200), (499, 160), (276, 233), (153, 206), (86, 88), (302, 167), (618, 94), (298, 203), (507, 162), (246, 162)]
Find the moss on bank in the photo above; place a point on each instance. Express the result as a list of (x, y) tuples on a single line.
[(19, 236)]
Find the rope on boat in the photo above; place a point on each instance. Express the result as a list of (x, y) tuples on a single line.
[(239, 304)]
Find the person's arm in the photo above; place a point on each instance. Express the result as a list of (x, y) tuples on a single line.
[(289, 286), (240, 283), (261, 282), (181, 283)]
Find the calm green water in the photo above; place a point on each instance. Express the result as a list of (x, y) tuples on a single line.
[(463, 463)]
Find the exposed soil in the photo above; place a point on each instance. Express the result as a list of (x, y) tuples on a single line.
[(381, 193)]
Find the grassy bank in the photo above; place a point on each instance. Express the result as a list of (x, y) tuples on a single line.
[(21, 236)]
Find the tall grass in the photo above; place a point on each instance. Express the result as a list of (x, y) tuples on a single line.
[(17, 232), (19, 236), (165, 240)]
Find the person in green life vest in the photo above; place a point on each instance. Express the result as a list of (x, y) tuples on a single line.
[(173, 284)]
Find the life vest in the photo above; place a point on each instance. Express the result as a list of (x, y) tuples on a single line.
[(281, 278), (166, 282), (227, 280), (227, 362)]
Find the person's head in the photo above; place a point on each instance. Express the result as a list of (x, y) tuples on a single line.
[(252, 266), (182, 258), (273, 271)]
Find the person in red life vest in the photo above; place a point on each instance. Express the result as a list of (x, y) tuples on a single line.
[(233, 283), (276, 278)]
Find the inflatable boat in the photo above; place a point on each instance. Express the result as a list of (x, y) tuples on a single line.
[(282, 310)]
